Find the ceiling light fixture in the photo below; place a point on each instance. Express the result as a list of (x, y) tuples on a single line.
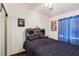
[(48, 5)]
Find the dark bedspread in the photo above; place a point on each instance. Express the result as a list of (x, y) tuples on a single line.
[(50, 47)]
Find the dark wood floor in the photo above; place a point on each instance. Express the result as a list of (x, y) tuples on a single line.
[(23, 53)]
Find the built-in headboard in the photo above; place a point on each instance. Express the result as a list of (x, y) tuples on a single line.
[(31, 31)]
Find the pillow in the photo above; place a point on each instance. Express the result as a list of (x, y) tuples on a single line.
[(43, 36), (33, 37), (30, 32)]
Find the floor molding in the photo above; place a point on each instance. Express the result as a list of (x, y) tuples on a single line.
[(22, 53)]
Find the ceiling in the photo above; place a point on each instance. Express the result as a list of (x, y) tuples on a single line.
[(58, 8)]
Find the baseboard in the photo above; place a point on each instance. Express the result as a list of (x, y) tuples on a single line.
[(22, 53)]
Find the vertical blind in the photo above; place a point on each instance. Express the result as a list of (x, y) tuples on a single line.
[(68, 29)]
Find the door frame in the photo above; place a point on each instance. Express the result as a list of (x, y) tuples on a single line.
[(5, 27)]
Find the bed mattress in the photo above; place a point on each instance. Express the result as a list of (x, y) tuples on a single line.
[(50, 47)]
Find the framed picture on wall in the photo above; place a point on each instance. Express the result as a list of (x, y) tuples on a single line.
[(53, 26), (21, 22)]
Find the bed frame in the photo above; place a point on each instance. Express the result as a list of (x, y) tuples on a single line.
[(32, 31)]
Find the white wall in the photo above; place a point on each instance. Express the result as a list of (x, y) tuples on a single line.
[(15, 33), (54, 34)]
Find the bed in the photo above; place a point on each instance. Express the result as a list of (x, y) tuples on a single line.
[(45, 46)]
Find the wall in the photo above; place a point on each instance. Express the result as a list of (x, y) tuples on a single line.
[(54, 34), (16, 34)]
